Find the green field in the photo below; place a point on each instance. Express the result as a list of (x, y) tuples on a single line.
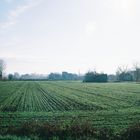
[(113, 105)]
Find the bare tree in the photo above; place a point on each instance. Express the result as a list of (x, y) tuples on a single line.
[(2, 67), (136, 66), (120, 70)]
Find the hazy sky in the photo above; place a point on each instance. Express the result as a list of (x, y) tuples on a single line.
[(74, 35)]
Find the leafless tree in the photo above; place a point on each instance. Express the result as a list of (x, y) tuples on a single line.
[(136, 66), (121, 69), (2, 67)]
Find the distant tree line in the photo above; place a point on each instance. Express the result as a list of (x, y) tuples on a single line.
[(50, 77), (122, 74), (33, 76)]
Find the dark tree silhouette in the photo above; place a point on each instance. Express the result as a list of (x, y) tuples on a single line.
[(2, 67), (95, 77)]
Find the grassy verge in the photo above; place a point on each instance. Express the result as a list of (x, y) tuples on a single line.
[(78, 131)]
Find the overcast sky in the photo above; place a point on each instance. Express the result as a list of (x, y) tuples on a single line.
[(73, 35)]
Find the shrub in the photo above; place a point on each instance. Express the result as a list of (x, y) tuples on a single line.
[(131, 133)]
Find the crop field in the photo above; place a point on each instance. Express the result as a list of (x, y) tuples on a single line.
[(114, 105)]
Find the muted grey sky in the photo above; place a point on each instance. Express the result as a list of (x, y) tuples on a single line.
[(74, 35)]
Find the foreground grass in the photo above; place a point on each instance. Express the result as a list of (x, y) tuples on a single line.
[(56, 131)]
